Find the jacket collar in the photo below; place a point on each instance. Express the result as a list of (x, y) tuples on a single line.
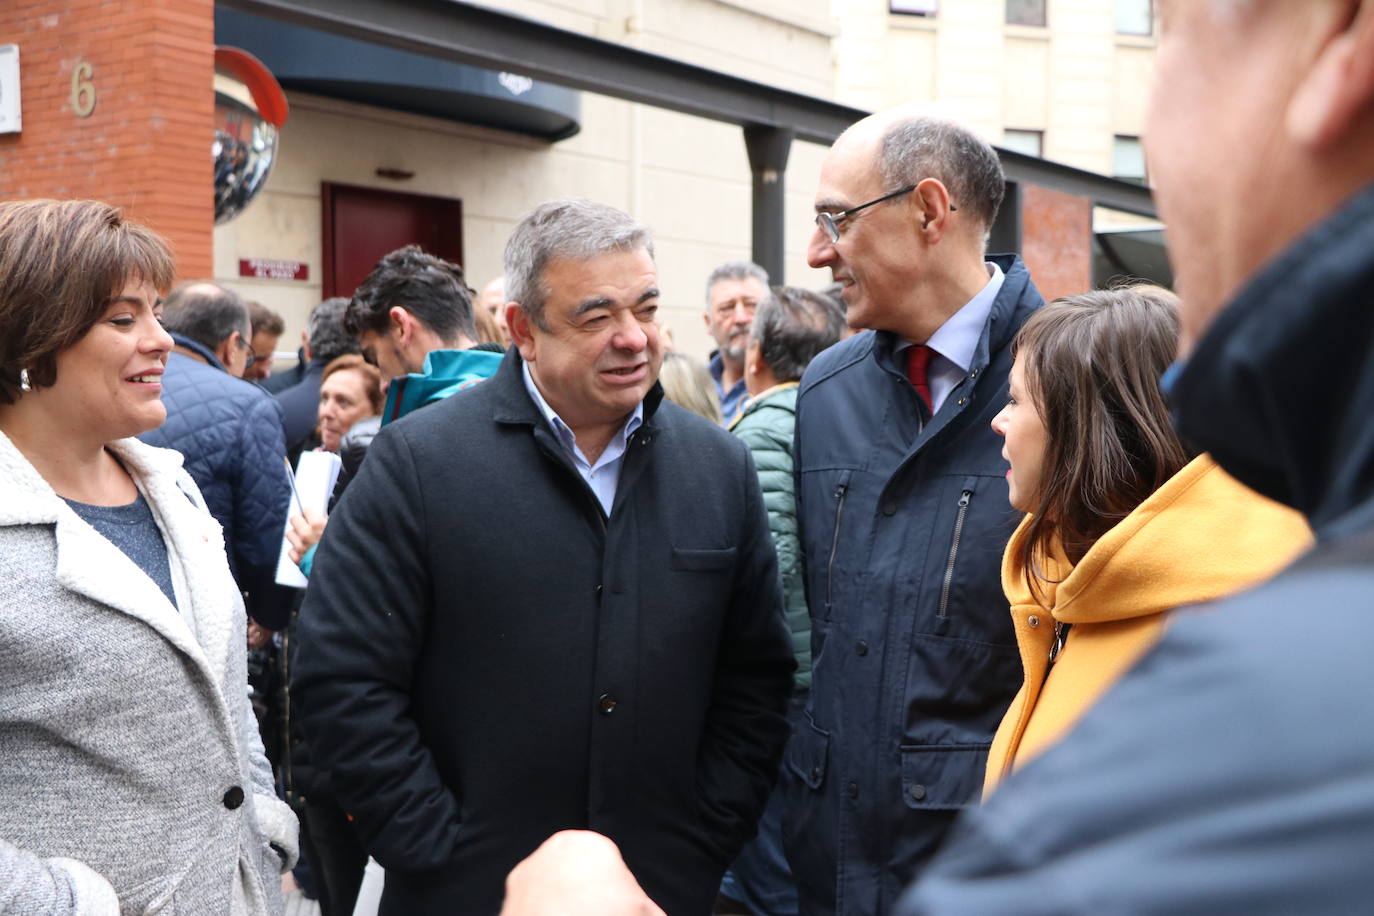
[(199, 349), (782, 396), (89, 565), (1281, 388), (514, 406), (997, 332), (1121, 576)]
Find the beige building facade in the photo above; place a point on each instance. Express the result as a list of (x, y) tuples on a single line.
[(687, 177), (1072, 90)]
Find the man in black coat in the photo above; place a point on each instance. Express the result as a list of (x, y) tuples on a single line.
[(551, 601)]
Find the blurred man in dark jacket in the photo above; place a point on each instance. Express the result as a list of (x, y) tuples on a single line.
[(1232, 771), (550, 600), (230, 432)]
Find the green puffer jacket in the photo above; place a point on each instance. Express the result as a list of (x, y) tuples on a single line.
[(766, 425)]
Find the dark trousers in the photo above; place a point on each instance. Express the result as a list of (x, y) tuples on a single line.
[(335, 856), (760, 877)]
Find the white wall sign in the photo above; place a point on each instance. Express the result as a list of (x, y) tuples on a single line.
[(9, 89)]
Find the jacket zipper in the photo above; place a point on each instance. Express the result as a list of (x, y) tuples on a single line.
[(840, 489), (964, 498)]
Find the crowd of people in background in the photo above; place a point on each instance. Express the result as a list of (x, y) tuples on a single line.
[(878, 609)]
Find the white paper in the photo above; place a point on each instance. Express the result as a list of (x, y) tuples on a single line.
[(316, 474)]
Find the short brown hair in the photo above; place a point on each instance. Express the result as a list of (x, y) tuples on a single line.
[(265, 321), (61, 262), (1092, 364), (369, 372)]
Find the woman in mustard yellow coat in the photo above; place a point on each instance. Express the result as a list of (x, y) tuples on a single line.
[(1123, 524)]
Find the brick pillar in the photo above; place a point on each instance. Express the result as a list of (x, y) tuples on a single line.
[(1056, 240), (146, 144)]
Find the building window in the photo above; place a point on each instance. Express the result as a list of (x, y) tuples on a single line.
[(1128, 159), (1026, 12), (1030, 142), (1135, 17), (915, 7)]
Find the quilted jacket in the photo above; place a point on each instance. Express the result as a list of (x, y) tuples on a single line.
[(230, 433), (766, 426)]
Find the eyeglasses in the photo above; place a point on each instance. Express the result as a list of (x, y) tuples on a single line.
[(251, 358), (830, 222)]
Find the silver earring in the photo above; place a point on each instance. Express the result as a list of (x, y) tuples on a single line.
[(24, 380)]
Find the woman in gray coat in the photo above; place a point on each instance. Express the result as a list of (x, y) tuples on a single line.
[(132, 778)]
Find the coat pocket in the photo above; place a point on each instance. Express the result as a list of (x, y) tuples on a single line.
[(703, 558), (808, 753), (943, 778)]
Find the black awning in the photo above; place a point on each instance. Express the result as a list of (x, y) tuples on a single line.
[(326, 64)]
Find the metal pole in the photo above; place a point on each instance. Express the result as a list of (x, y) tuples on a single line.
[(768, 147)]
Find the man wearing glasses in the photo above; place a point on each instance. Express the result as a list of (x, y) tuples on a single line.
[(230, 432), (902, 505)]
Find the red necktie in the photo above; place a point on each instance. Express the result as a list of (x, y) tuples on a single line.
[(917, 367)]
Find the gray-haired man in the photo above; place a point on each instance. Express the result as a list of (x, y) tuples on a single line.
[(733, 291), (551, 601)]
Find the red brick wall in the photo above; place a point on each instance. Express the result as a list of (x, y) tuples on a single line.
[(1056, 240), (146, 146)]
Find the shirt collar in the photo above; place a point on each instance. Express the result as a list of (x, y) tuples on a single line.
[(957, 339), (562, 430)]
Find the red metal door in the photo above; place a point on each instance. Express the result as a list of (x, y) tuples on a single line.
[(363, 224)]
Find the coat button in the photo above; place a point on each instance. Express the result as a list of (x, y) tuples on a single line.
[(233, 798), (852, 790), (606, 703), (889, 508), (1033, 620), (918, 792), (816, 774), (861, 647)]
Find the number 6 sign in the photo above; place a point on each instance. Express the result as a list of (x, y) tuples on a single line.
[(83, 89)]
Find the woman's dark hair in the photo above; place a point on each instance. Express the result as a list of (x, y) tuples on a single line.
[(1092, 365), (370, 373), (61, 262)]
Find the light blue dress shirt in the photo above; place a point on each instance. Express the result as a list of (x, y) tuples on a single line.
[(957, 339), (604, 476), (732, 401)]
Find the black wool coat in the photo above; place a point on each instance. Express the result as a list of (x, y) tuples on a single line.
[(486, 658)]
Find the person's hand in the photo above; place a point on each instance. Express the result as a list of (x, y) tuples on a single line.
[(575, 873), (304, 532), (257, 635)]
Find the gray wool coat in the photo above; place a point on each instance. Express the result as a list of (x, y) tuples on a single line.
[(132, 778)]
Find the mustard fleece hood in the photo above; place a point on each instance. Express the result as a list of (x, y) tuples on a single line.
[(1200, 537)]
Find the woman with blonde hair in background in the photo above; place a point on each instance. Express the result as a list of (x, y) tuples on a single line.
[(688, 385), (133, 772), (1123, 523)]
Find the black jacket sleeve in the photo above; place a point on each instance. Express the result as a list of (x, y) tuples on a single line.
[(359, 636), (746, 726)]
